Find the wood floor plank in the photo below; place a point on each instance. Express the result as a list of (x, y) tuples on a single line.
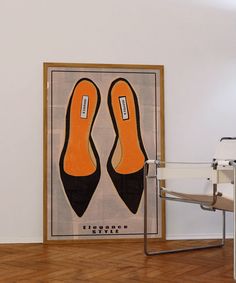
[(113, 263)]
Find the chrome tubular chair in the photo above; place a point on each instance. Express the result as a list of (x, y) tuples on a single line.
[(220, 171)]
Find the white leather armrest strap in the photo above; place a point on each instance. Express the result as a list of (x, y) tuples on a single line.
[(184, 173), (223, 175)]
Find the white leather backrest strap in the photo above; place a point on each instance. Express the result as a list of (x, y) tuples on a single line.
[(226, 149)]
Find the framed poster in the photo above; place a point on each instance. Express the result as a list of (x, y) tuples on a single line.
[(101, 122)]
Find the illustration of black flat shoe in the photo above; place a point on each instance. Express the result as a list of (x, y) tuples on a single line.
[(126, 160), (79, 161)]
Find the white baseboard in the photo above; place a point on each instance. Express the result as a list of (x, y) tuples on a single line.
[(198, 236), (21, 240), (36, 240)]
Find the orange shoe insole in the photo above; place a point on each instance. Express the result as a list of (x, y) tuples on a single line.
[(79, 159), (131, 157)]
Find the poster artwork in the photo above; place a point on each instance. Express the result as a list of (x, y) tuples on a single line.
[(102, 123)]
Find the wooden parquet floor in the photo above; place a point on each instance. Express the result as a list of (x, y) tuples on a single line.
[(114, 263)]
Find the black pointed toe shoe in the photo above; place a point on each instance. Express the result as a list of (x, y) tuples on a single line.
[(79, 161), (125, 164)]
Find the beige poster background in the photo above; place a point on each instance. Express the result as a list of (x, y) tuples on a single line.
[(106, 216)]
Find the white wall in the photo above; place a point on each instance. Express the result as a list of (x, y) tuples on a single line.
[(194, 39)]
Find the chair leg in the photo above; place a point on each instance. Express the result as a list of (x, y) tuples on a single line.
[(151, 253)]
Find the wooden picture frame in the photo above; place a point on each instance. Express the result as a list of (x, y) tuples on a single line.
[(101, 122)]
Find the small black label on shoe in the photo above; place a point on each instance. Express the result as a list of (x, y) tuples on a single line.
[(84, 107), (124, 108)]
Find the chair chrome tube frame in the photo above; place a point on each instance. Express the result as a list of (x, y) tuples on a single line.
[(146, 249), (234, 165)]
